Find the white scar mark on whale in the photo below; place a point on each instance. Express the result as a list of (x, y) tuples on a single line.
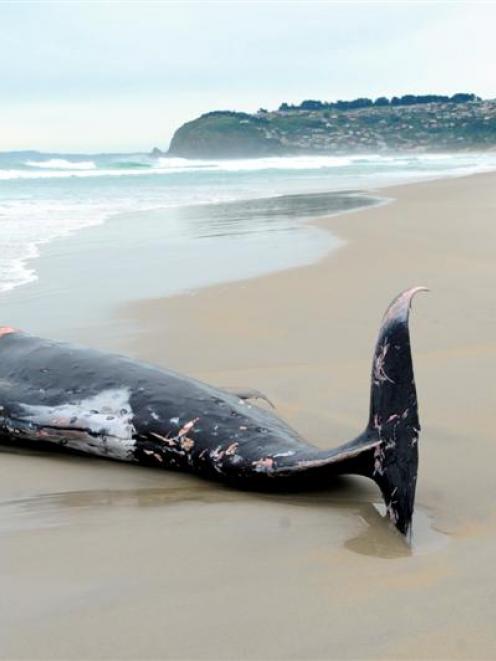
[(101, 425)]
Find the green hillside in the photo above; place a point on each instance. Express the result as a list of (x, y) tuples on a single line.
[(358, 126)]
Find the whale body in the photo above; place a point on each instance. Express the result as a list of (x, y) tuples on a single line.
[(59, 394)]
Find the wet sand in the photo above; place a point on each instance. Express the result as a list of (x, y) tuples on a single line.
[(84, 277), (100, 560)]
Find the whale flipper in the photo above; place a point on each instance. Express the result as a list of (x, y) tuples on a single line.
[(249, 393)]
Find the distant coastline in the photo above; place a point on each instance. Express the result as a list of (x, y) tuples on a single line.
[(428, 123)]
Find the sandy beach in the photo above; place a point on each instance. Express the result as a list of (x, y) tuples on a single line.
[(101, 560)]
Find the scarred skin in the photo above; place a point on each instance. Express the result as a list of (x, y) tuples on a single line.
[(56, 394)]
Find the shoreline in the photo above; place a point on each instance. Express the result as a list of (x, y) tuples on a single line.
[(24, 296), (74, 267), (380, 196), (334, 223)]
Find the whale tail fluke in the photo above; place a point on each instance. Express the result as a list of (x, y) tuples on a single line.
[(386, 451), (394, 413)]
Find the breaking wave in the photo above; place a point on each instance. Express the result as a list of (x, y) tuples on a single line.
[(138, 165), (62, 164)]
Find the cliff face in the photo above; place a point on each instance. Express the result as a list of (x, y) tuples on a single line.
[(224, 135), (422, 127)]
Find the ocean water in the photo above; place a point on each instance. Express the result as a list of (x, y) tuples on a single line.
[(46, 197)]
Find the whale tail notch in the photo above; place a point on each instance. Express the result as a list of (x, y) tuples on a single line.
[(394, 413)]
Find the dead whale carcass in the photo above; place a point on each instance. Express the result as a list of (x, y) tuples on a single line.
[(111, 406)]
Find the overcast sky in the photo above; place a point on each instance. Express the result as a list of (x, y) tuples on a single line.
[(96, 76)]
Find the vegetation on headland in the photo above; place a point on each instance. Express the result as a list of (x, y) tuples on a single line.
[(382, 101), (409, 123)]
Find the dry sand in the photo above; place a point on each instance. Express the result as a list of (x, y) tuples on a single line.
[(99, 560)]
